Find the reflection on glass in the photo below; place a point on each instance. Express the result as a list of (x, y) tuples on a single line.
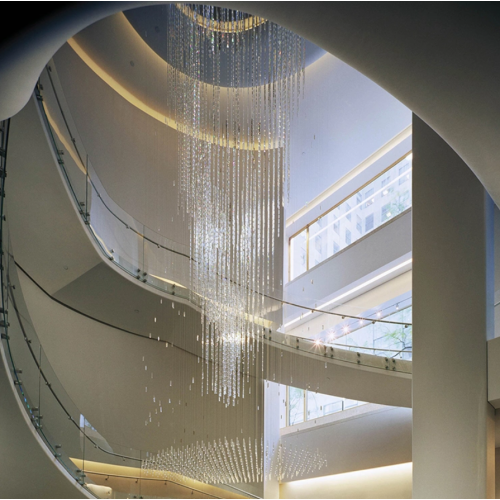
[(375, 204), (298, 254), (314, 405), (295, 406), (361, 336), (319, 405), (132, 246)]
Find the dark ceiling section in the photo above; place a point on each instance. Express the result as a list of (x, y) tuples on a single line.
[(32, 18), (151, 23), (438, 60)]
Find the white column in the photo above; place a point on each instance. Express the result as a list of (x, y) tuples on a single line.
[(453, 275)]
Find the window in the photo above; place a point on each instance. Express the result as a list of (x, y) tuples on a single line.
[(348, 211), (319, 405), (347, 237), (296, 410), (368, 196), (359, 224), (369, 223), (404, 168), (387, 188), (386, 212), (298, 254), (317, 244), (385, 197)]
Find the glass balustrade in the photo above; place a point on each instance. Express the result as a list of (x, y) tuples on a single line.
[(381, 200), (385, 332), (136, 249), (153, 260), (105, 469), (302, 405)]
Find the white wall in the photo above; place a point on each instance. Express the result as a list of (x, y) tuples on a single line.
[(384, 482), (343, 118), (363, 437), (452, 317), (384, 247), (27, 469)]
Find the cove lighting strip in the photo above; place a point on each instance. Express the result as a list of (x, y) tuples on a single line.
[(395, 141)]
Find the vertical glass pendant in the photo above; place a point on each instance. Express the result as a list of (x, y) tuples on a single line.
[(235, 82)]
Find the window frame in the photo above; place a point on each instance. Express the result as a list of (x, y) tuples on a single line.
[(345, 199)]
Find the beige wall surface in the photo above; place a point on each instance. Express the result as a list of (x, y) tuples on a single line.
[(394, 481)]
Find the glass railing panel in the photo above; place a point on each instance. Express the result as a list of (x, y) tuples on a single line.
[(120, 241), (111, 466), (390, 338), (22, 364), (384, 198), (72, 164), (102, 451), (394, 337), (298, 254), (384, 331), (23, 347), (54, 97), (167, 264), (60, 419), (354, 336), (319, 405), (296, 408)]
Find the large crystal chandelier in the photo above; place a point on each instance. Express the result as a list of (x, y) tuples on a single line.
[(235, 87)]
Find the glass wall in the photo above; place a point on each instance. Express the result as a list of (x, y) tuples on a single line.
[(392, 339), (303, 405), (385, 197)]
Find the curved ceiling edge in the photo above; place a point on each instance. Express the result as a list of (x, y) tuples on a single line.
[(152, 24), (427, 56), (109, 70)]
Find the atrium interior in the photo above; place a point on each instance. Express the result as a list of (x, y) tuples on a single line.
[(238, 263)]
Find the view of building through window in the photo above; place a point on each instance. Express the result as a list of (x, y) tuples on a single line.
[(393, 340), (385, 197), (303, 405)]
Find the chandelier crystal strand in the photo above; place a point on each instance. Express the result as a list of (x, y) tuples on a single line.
[(231, 462), (235, 82)]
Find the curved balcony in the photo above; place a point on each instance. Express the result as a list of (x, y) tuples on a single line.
[(126, 250), (162, 263)]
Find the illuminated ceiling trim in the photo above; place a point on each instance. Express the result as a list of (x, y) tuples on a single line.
[(224, 27), (154, 113)]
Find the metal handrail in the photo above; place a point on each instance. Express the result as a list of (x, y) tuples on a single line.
[(140, 478), (159, 245)]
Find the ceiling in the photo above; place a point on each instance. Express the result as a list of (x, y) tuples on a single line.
[(437, 60), (152, 22), (342, 119)]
